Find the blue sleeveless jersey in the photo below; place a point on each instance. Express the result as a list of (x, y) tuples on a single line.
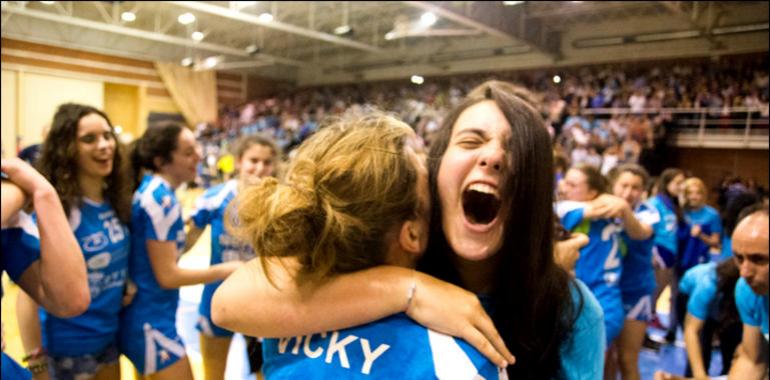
[(666, 229), (700, 285), (600, 263), (104, 241), (155, 215), (638, 274), (391, 348), (752, 307), (212, 208), (692, 250)]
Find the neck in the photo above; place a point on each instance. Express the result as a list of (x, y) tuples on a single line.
[(477, 276), (173, 183), (92, 187)]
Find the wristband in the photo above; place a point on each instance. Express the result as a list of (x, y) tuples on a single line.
[(38, 368), (410, 295), (37, 353)]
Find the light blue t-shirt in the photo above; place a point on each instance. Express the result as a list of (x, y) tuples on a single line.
[(699, 283), (104, 241), (582, 356), (155, 215), (395, 347), (211, 208), (638, 274), (665, 230), (600, 263), (704, 216), (752, 307)]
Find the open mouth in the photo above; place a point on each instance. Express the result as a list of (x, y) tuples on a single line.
[(481, 203)]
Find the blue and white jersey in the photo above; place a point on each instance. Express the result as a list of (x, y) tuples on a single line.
[(391, 348), (104, 241), (21, 229), (212, 208), (15, 263), (155, 215), (600, 262), (700, 285), (666, 229), (752, 307), (638, 274)]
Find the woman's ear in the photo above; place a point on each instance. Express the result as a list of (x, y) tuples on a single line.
[(411, 237)]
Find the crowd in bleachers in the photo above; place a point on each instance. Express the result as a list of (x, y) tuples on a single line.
[(604, 140)]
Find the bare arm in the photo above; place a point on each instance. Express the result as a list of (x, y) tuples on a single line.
[(193, 234), (13, 200), (29, 329), (58, 280), (163, 259), (349, 300), (610, 206), (692, 328), (750, 362)]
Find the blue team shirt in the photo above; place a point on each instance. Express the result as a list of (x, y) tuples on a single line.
[(666, 229), (104, 241), (582, 355), (700, 285), (391, 348), (638, 274), (752, 307), (600, 262), (155, 215), (212, 208), (15, 263), (693, 250)]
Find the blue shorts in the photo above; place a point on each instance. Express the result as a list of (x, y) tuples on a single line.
[(637, 306), (12, 370), (207, 327), (664, 257), (86, 366), (152, 348)]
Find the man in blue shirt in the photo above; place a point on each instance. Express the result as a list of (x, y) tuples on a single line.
[(750, 249)]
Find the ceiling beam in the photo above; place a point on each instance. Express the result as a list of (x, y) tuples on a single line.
[(675, 7), (500, 21), (117, 29), (275, 24)]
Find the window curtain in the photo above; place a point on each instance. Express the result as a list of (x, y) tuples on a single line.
[(194, 92)]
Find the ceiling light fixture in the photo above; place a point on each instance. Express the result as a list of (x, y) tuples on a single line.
[(428, 18), (197, 36), (186, 18), (265, 17), (416, 79), (48, 2), (186, 62), (128, 16), (342, 30)]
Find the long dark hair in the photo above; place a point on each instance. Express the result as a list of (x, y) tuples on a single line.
[(158, 141), (666, 177), (531, 298), (59, 161), (727, 276)]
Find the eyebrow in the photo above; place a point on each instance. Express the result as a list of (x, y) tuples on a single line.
[(476, 131)]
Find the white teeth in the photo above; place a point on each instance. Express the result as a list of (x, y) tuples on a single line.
[(484, 188)]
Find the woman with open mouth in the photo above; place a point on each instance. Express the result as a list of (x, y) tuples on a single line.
[(82, 159), (491, 243)]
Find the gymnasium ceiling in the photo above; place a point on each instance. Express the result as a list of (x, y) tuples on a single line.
[(387, 39)]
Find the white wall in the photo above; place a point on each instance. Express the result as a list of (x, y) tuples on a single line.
[(40, 95), (8, 109)]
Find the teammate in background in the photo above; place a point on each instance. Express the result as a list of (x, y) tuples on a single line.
[(703, 227), (730, 220), (82, 160), (254, 159), (491, 176), (637, 281), (56, 279), (666, 201), (602, 217), (148, 335)]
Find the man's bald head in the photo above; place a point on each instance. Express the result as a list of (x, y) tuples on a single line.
[(750, 248)]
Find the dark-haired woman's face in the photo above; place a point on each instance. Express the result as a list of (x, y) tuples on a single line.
[(184, 160), (96, 146), (470, 179), (629, 186), (676, 186)]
